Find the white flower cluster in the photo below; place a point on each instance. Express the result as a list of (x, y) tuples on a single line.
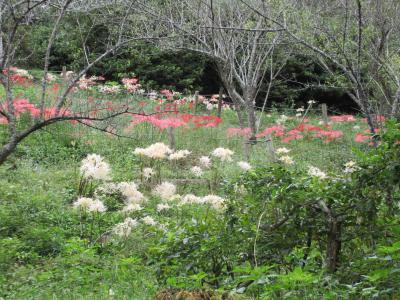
[(94, 167), (130, 192), (149, 221), (282, 119), (215, 201), (148, 173), (90, 205), (315, 172), (106, 89), (180, 154), (286, 159), (124, 229), (162, 206), (245, 166), (50, 78), (282, 150), (196, 171), (223, 154), (191, 199), (131, 84), (132, 207), (154, 151), (212, 103), (85, 83), (166, 191), (132, 197), (21, 72), (350, 167), (205, 162)]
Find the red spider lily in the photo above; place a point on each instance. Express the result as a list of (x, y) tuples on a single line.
[(179, 121), (361, 138), (169, 122), (377, 130), (158, 108), (246, 132), (279, 130), (157, 122), (293, 134), (3, 121), (93, 113), (171, 107), (109, 105), (307, 127), (55, 87), (130, 80), (206, 121), (17, 79), (377, 118), (21, 106), (330, 135), (343, 118), (186, 117), (131, 84), (291, 138), (51, 112), (24, 106), (166, 92)]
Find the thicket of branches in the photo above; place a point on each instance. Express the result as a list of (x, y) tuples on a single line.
[(356, 42)]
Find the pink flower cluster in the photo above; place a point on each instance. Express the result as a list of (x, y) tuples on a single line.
[(131, 84), (178, 120), (342, 118), (246, 132), (301, 131), (365, 136), (86, 82), (18, 76), (24, 106)]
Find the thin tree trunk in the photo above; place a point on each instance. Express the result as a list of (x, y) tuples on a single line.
[(7, 149), (334, 244), (242, 125), (251, 115), (395, 106), (249, 96)]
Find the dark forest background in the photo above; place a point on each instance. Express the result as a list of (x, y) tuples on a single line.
[(301, 79)]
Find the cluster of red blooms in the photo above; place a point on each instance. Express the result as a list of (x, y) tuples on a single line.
[(246, 132), (174, 114), (24, 106), (303, 130), (168, 94), (178, 120), (297, 133), (131, 84), (18, 76)]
